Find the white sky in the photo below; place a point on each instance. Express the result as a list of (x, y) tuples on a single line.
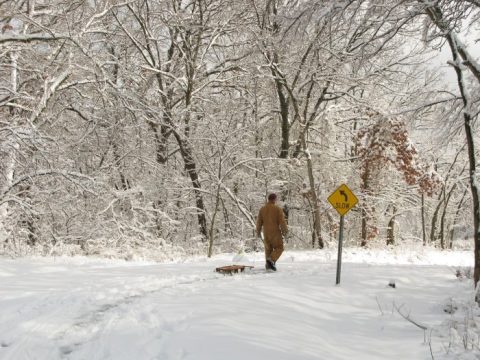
[(469, 39)]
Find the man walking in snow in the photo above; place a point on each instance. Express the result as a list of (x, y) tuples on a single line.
[(272, 219)]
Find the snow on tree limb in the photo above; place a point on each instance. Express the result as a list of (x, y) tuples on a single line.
[(71, 176), (30, 38)]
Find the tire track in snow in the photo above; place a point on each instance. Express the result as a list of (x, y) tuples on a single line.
[(37, 321), (91, 329), (93, 324), (23, 340), (52, 317)]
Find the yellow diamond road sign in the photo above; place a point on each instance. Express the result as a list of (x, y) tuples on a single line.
[(343, 199)]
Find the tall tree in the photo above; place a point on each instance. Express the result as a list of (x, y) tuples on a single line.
[(445, 17)]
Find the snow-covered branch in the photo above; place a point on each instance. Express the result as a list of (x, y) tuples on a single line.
[(30, 38), (71, 176)]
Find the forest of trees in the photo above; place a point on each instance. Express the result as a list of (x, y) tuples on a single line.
[(161, 125)]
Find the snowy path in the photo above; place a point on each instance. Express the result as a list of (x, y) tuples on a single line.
[(67, 309)]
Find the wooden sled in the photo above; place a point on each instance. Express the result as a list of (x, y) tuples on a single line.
[(232, 269)]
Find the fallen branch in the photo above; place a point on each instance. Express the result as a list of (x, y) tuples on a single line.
[(410, 320), (378, 303)]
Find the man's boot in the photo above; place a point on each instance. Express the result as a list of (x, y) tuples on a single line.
[(270, 265)]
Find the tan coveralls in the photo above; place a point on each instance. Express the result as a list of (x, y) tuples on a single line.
[(271, 218)]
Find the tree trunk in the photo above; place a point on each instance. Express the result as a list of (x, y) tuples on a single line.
[(124, 183), (424, 230), (191, 169), (391, 228), (475, 195), (316, 233), (364, 186), (212, 224), (215, 211), (161, 134), (364, 228), (283, 115), (457, 212), (442, 218), (436, 16), (433, 228), (226, 219), (7, 150)]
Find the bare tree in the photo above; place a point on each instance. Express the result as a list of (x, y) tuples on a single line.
[(445, 16)]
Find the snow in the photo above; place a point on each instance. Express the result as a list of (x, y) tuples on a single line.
[(87, 308)]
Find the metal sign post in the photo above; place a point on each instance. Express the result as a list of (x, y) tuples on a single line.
[(342, 199), (340, 245)]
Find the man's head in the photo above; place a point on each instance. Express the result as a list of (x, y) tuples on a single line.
[(272, 197)]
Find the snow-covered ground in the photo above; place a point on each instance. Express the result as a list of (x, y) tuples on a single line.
[(81, 308)]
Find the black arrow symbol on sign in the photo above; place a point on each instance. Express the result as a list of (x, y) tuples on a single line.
[(344, 195)]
